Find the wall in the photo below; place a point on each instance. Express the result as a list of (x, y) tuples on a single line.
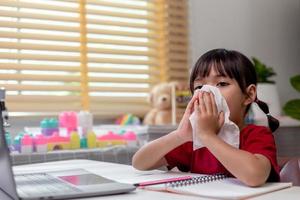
[(268, 30)]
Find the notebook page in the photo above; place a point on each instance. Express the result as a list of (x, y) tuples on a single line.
[(127, 174), (229, 188)]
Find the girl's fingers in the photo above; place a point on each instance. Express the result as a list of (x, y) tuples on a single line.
[(196, 107), (201, 103), (214, 105), (190, 105), (221, 118), (208, 102)]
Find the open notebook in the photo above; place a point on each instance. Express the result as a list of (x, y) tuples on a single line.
[(216, 186)]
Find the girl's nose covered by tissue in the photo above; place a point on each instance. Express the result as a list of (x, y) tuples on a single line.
[(229, 132)]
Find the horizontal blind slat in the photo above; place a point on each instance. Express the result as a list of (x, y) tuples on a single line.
[(118, 89), (121, 80), (35, 5), (149, 5), (16, 87), (39, 57), (114, 110), (30, 46), (17, 14), (36, 26), (118, 14), (30, 77), (41, 99), (115, 100), (37, 36), (149, 43), (150, 34), (122, 24), (152, 70), (38, 67), (123, 61), (122, 52), (55, 108)]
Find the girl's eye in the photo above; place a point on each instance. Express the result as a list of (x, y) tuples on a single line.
[(198, 87), (222, 84)]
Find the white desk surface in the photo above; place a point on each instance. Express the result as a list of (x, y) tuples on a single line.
[(120, 172)]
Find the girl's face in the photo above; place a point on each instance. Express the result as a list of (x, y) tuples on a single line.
[(230, 90)]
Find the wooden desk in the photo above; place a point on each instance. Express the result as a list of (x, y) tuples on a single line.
[(120, 171)]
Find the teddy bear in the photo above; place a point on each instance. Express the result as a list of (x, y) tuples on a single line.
[(160, 99)]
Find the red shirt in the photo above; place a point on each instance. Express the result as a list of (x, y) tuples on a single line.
[(254, 139)]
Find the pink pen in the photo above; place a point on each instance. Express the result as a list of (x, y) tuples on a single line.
[(167, 180)]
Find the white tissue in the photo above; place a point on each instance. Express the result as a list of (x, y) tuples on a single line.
[(229, 132)]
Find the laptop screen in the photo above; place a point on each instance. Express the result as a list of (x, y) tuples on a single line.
[(7, 182), (85, 179)]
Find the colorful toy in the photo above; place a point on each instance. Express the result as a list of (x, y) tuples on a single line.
[(49, 126), (91, 140), (165, 100), (161, 102), (40, 143), (8, 138), (128, 119), (57, 142), (83, 143), (68, 120), (75, 140), (85, 122), (26, 144), (110, 139), (131, 138), (17, 141), (53, 138)]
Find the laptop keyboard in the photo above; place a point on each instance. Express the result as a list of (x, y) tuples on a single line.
[(42, 184)]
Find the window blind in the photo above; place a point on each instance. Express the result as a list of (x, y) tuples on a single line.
[(39, 55), (173, 40), (96, 55)]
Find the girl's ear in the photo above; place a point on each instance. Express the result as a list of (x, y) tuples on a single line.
[(250, 94)]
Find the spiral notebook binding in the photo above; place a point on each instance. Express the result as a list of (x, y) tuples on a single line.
[(196, 180)]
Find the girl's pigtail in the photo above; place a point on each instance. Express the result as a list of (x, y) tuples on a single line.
[(272, 122)]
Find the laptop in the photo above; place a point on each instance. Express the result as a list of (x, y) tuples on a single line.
[(62, 184)]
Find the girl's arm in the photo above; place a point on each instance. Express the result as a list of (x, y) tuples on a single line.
[(252, 169), (151, 156)]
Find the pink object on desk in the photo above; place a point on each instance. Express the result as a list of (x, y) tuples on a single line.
[(40, 139), (56, 138), (68, 120), (26, 144), (26, 140), (40, 143), (129, 135), (161, 181), (110, 136)]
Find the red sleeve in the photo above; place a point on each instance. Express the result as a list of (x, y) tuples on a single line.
[(260, 140), (180, 157)]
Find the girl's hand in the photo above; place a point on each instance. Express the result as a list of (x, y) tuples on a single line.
[(209, 121), (184, 130)]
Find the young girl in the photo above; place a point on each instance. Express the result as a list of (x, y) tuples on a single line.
[(254, 162)]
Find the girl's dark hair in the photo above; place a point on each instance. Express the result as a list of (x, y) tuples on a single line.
[(236, 66)]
